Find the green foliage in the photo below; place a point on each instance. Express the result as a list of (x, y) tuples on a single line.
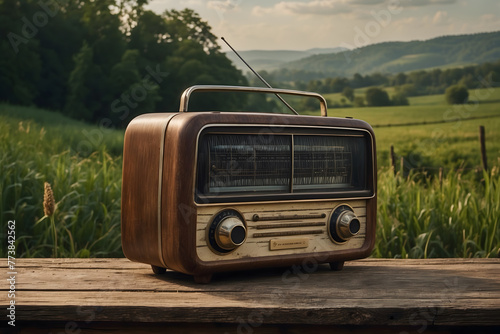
[(359, 102), (20, 63), (127, 86), (79, 85), (427, 217), (400, 99), (108, 61), (348, 92), (415, 83), (377, 97), (86, 188), (456, 94)]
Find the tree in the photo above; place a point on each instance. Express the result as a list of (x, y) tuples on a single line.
[(78, 84), (133, 94), (188, 25), (377, 97), (149, 36), (359, 101), (358, 81), (335, 85), (399, 79), (20, 65), (348, 92), (456, 94), (108, 60), (400, 99)]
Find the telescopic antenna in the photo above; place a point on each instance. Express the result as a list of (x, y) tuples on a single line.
[(261, 78)]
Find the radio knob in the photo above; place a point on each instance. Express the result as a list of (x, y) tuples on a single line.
[(230, 233), (344, 224), (347, 225), (227, 231)]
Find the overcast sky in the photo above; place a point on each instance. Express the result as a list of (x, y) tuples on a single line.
[(304, 24)]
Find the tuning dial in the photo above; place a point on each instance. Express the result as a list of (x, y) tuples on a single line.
[(343, 224), (227, 231)]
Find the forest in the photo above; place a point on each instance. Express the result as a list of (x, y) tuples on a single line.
[(106, 59)]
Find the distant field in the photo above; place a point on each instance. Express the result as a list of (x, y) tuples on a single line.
[(418, 216), (442, 144)]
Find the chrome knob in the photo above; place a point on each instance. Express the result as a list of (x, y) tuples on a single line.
[(343, 224), (230, 233), (348, 225)]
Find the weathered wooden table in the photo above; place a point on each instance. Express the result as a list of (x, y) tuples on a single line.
[(119, 296)]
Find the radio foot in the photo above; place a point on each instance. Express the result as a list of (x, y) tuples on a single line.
[(337, 266), (203, 279), (158, 270)]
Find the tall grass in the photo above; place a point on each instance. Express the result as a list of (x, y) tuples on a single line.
[(420, 216), (86, 189)]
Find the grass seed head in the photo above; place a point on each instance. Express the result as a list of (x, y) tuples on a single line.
[(49, 205)]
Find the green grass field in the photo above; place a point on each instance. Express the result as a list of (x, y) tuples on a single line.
[(451, 144), (419, 215), (83, 165)]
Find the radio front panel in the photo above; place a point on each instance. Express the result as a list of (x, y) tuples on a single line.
[(280, 229)]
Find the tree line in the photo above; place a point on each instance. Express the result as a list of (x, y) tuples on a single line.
[(108, 59), (415, 83), (453, 82)]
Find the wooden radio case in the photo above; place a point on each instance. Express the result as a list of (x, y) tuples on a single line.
[(205, 192)]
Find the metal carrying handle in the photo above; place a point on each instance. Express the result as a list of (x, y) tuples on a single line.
[(216, 88)]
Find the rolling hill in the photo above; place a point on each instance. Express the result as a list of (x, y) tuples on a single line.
[(395, 57), (273, 59)]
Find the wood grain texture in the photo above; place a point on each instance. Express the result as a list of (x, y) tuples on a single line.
[(371, 292), (142, 153), (218, 328)]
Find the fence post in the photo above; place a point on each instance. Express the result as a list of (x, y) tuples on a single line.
[(393, 160), (483, 148)]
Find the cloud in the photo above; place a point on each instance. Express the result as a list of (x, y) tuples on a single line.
[(336, 7), (422, 3), (489, 17), (367, 2), (315, 7), (223, 5), (440, 17)]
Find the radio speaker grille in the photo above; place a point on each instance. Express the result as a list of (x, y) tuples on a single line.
[(242, 162), (253, 164)]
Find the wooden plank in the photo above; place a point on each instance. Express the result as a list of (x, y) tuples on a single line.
[(370, 292), (218, 328)]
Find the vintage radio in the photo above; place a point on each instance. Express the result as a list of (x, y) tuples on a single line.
[(205, 192)]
